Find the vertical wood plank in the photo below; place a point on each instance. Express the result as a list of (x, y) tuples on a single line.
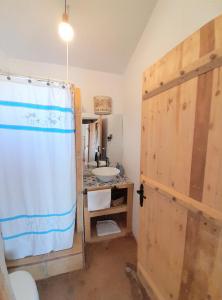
[(214, 281), (190, 49), (190, 254), (202, 117), (129, 207), (218, 30), (194, 284), (167, 136), (207, 38), (164, 243), (87, 221), (79, 172), (202, 244), (212, 194)]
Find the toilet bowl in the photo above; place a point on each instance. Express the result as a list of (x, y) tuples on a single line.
[(23, 286)]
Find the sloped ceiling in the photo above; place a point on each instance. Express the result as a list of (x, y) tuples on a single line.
[(106, 31)]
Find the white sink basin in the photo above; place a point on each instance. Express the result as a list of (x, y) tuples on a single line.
[(105, 174), (93, 163)]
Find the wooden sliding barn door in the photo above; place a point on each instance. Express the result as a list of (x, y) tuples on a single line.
[(180, 241)]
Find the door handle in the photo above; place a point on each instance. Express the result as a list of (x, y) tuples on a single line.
[(140, 192)]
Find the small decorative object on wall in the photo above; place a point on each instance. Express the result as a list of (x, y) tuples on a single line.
[(102, 105)]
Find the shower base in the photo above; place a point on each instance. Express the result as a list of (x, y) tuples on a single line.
[(52, 264)]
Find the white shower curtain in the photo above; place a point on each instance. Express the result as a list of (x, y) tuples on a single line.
[(37, 168)]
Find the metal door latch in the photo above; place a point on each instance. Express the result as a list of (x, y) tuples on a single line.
[(140, 192)]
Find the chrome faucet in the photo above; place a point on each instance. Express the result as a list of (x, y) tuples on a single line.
[(97, 160), (107, 162)]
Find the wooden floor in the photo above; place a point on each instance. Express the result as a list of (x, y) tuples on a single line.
[(103, 279)]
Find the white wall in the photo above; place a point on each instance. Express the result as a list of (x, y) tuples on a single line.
[(91, 82), (170, 23), (3, 61)]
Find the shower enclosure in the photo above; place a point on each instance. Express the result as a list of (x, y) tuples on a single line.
[(38, 182)]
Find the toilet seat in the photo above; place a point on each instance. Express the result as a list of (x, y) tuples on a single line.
[(23, 286)]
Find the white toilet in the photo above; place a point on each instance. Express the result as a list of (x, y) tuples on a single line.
[(18, 285), (23, 286)]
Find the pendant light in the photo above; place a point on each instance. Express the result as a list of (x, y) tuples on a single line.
[(65, 30)]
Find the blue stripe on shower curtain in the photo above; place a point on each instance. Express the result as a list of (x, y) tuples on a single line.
[(6, 238), (35, 106), (35, 117), (32, 128), (36, 216), (63, 229), (37, 169)]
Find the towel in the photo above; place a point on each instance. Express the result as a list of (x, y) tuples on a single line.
[(100, 199)]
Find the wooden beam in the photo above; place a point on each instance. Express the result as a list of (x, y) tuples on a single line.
[(200, 136), (76, 95), (183, 200), (204, 64), (129, 206)]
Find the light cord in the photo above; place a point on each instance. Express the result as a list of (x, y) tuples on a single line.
[(67, 62)]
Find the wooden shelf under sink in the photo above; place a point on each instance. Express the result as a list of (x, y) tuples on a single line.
[(108, 211), (122, 214), (121, 221)]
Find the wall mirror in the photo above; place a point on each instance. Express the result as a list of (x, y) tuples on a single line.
[(102, 139)]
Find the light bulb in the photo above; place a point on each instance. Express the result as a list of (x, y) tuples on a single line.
[(66, 31)]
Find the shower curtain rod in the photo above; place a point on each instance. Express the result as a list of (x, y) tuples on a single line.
[(8, 75)]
